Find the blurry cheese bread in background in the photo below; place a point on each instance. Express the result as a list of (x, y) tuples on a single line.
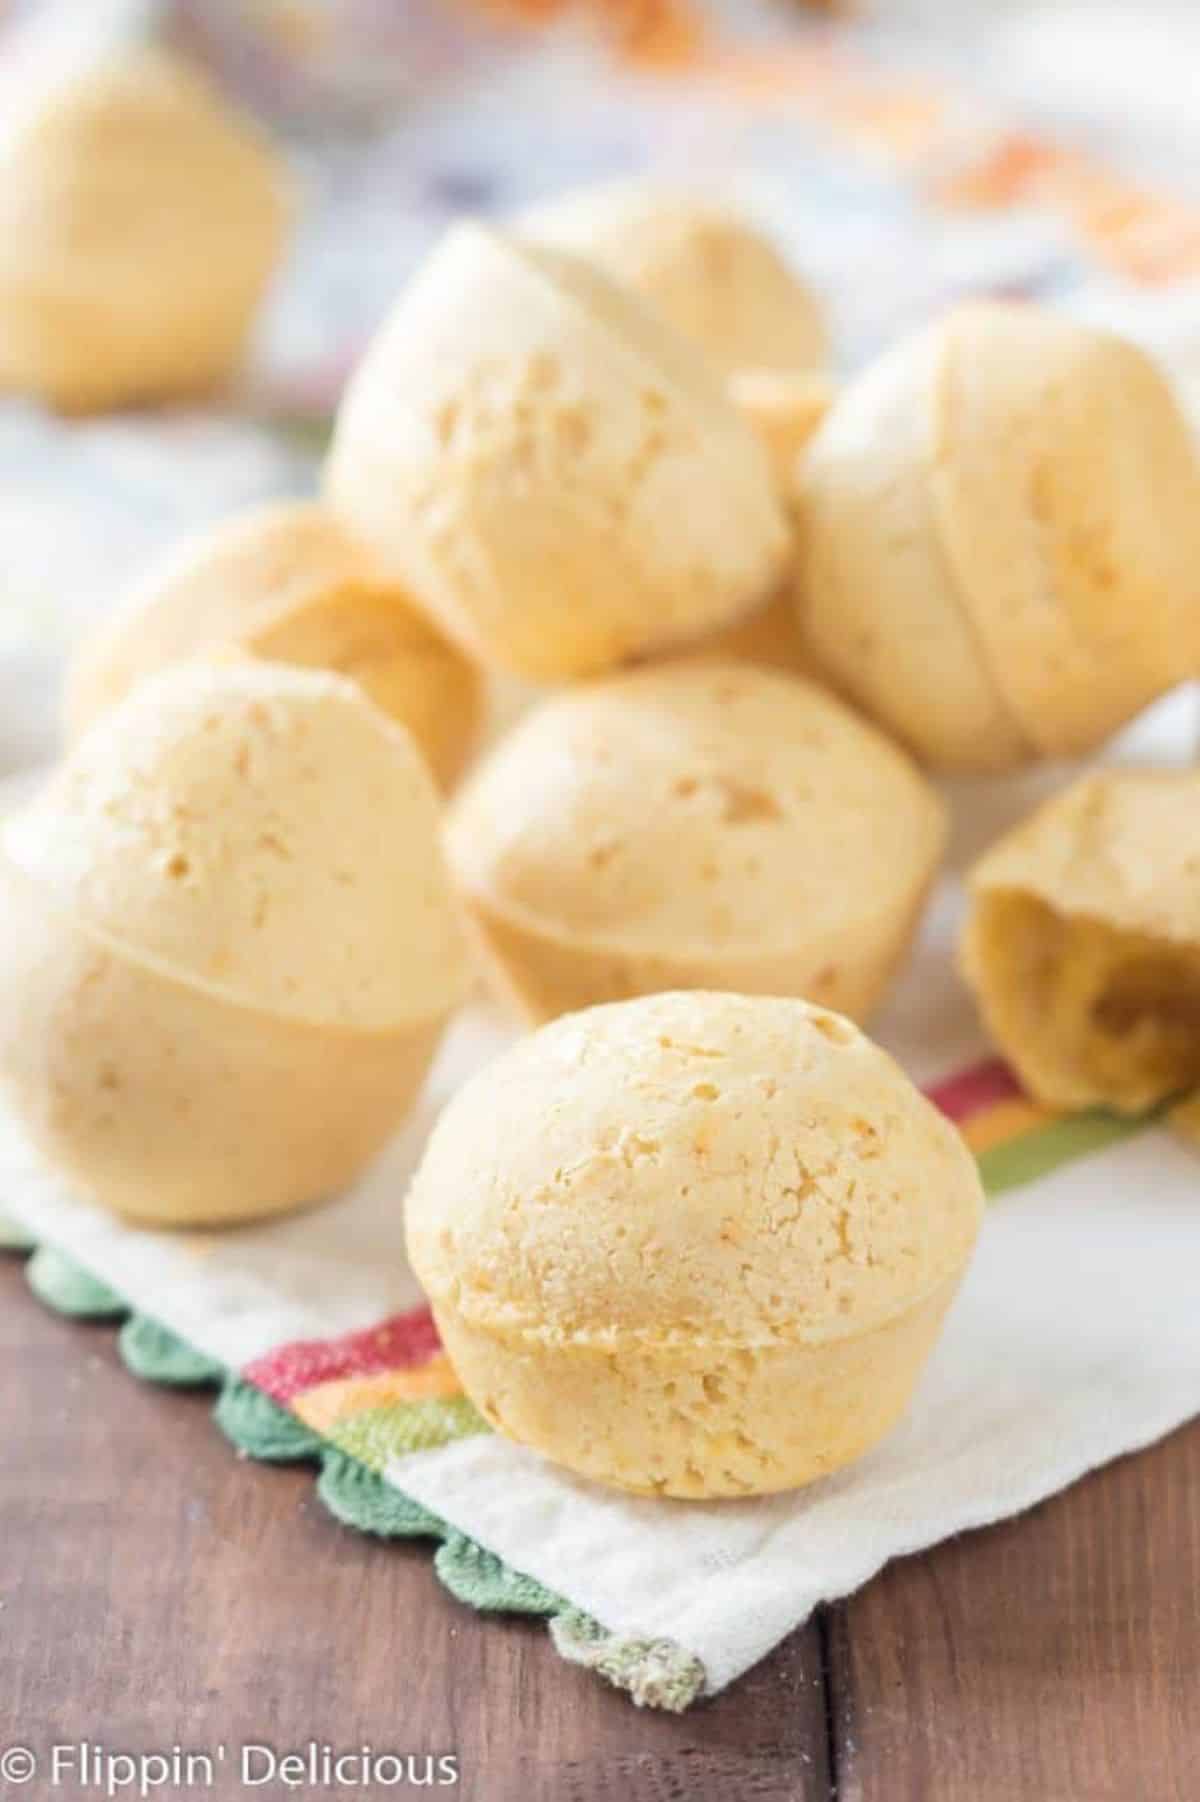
[(695, 825), (555, 475), (227, 945), (1083, 941), (140, 222), (693, 1245), (999, 530), (709, 273), (287, 583)]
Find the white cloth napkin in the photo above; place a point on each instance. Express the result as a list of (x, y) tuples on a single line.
[(1076, 1337)]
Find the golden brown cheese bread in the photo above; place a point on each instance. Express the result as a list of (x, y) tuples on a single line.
[(693, 1245), (289, 584), (695, 825), (556, 477), (1083, 941), (228, 945), (1000, 539), (140, 222)]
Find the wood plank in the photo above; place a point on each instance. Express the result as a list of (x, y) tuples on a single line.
[(156, 1590), (1054, 1658)]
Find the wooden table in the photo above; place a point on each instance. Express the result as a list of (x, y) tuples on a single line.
[(156, 1590)]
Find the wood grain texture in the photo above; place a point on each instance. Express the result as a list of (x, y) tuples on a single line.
[(158, 1590), (1052, 1658)]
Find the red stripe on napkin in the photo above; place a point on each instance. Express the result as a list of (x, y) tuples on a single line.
[(403, 1340), (982, 1086)]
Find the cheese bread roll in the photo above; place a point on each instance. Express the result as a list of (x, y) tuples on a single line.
[(228, 945), (141, 220), (999, 529), (693, 1245), (289, 584), (548, 470), (695, 825), (1083, 942)]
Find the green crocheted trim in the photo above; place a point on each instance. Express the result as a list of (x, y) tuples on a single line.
[(361, 1499), (69, 1289), (656, 1673), (157, 1355), (261, 1428), (486, 1582)]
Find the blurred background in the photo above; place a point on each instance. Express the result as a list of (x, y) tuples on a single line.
[(904, 152)]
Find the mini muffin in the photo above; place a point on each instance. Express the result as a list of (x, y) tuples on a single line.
[(287, 583), (1000, 539), (140, 222), (549, 471), (1083, 942), (695, 825), (228, 945), (709, 273), (694, 1245)]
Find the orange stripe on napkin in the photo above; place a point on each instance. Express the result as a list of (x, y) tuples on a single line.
[(323, 1407), (1007, 1120)]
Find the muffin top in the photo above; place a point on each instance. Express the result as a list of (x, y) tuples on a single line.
[(701, 807), (691, 1167), (262, 832), (1121, 846), (710, 274)]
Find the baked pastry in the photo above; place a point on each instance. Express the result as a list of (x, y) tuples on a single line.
[(140, 222), (695, 825), (693, 1245), (709, 273), (1000, 539), (228, 945), (558, 480), (287, 583), (785, 410), (1083, 942)]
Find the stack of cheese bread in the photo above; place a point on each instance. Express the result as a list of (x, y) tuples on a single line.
[(695, 1235)]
